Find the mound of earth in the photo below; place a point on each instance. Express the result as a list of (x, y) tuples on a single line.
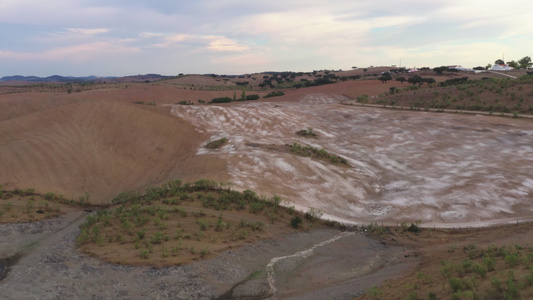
[(99, 147)]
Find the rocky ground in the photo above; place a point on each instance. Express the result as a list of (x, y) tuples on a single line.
[(48, 266)]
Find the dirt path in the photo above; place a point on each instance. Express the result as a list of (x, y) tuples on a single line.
[(502, 74), (51, 268), (439, 110)]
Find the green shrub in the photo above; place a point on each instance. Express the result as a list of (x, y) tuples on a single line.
[(157, 238), (307, 132), (375, 292), (362, 99), (413, 228), (217, 143), (274, 94), (204, 252), (143, 254), (295, 222), (141, 234), (456, 284), (252, 97), (490, 263), (512, 259), (49, 196), (221, 100)]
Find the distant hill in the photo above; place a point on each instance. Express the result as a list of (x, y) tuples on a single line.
[(53, 78), (59, 78)]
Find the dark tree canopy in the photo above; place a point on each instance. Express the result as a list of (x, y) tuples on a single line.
[(525, 62), (385, 77), (440, 70), (513, 64)]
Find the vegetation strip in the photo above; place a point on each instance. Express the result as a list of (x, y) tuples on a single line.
[(460, 272), (492, 95), (316, 152), (175, 223)]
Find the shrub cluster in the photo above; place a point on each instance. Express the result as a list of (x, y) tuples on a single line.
[(274, 94), (217, 143), (221, 100), (318, 153), (252, 97)]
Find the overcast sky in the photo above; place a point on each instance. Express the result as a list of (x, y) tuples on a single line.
[(128, 37)]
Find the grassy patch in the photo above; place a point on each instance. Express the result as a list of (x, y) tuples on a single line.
[(309, 132), (501, 95), (316, 153), (274, 94), (25, 205), (217, 143), (464, 272), (176, 224)]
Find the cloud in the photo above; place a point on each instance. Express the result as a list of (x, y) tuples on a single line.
[(88, 51), (299, 34), (210, 42), (223, 44), (146, 35), (88, 31)]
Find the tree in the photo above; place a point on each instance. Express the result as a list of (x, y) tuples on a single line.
[(441, 69), (415, 79), (488, 66), (401, 79), (499, 62), (513, 64), (385, 77), (525, 62), (428, 80)]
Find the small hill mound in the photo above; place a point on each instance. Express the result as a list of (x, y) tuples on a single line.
[(100, 148)]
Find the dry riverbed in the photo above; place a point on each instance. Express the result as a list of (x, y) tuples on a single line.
[(48, 266)]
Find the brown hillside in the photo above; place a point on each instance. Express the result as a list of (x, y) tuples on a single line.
[(98, 147)]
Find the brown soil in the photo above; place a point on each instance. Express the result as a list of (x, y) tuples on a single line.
[(448, 170), (433, 246), (96, 146)]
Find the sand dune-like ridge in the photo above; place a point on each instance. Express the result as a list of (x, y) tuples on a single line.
[(98, 147)]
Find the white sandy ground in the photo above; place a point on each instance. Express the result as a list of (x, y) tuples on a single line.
[(444, 169)]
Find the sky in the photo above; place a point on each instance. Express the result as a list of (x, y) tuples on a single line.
[(168, 37)]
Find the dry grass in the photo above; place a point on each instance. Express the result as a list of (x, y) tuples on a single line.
[(178, 224), (495, 95), (21, 206), (489, 263)]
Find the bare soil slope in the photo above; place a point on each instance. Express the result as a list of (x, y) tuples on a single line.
[(98, 147)]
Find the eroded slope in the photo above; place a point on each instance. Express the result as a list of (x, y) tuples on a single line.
[(440, 168)]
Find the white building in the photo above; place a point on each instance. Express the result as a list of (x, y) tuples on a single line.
[(501, 67)]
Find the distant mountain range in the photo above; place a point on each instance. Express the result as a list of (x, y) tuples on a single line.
[(58, 78)]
